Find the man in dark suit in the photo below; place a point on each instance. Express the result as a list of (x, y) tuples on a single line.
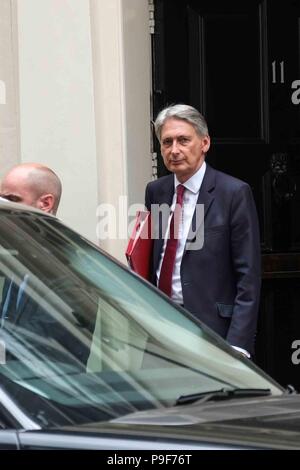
[(31, 317), (38, 186), (214, 270)]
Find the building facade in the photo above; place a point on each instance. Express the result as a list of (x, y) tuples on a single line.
[(75, 95), (80, 81)]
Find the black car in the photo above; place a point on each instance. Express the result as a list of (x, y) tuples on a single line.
[(94, 357)]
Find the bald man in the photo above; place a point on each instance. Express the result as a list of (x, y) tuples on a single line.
[(32, 184), (38, 186), (35, 185)]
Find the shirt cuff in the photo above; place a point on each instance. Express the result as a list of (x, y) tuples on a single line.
[(243, 351)]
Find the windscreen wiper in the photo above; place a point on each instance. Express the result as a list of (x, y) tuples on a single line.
[(222, 394)]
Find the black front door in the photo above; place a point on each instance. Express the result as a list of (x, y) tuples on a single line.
[(238, 62)]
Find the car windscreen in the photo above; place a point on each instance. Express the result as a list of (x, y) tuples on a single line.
[(84, 340)]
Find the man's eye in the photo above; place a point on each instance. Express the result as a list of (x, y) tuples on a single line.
[(183, 140), (11, 198), (167, 142)]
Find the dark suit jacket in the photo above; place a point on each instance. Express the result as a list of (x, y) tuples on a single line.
[(221, 281), (31, 321)]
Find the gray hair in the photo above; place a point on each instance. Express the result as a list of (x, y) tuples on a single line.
[(184, 112)]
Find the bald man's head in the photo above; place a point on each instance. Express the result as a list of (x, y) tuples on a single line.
[(32, 184)]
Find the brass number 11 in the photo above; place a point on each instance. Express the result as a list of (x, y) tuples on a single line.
[(274, 72)]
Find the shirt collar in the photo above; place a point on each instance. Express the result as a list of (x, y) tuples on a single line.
[(193, 184)]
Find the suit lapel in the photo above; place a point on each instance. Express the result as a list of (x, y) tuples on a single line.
[(21, 308), (22, 301), (206, 197), (164, 196)]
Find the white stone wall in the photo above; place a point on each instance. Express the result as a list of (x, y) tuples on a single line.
[(9, 118), (80, 101), (57, 123), (121, 57)]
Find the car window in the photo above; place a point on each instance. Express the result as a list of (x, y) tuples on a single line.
[(86, 340)]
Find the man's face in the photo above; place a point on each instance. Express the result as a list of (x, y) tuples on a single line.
[(15, 188), (183, 150)]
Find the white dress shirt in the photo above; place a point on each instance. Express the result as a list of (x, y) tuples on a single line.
[(190, 197)]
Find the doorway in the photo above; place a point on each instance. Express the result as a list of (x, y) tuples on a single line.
[(239, 64)]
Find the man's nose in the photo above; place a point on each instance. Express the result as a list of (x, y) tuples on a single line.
[(175, 148)]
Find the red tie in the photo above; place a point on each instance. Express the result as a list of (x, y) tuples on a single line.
[(166, 272)]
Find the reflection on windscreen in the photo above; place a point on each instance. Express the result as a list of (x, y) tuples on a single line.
[(86, 341)]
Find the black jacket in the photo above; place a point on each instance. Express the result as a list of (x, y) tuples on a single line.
[(221, 279)]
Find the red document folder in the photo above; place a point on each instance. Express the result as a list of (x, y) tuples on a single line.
[(139, 248)]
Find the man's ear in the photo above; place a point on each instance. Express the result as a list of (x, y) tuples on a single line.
[(46, 203), (205, 144)]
